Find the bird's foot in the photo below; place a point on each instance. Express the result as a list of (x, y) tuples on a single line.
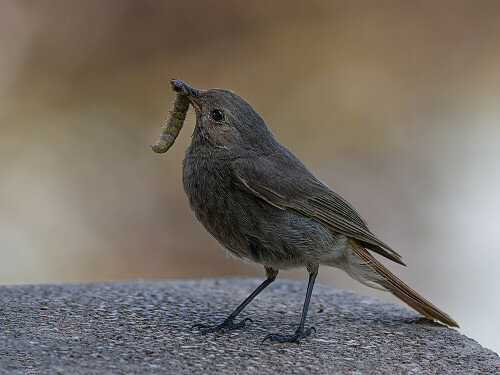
[(297, 337), (226, 326)]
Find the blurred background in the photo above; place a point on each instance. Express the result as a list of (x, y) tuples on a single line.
[(393, 104)]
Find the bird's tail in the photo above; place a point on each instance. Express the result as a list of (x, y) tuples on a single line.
[(368, 270)]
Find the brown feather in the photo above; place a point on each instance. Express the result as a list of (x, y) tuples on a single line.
[(289, 185), (399, 288)]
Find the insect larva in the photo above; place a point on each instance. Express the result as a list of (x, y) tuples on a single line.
[(175, 120)]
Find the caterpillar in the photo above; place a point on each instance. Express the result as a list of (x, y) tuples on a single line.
[(174, 123)]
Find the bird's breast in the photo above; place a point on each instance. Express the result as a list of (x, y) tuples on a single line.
[(213, 197)]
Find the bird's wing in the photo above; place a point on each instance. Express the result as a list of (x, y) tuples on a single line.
[(282, 180)]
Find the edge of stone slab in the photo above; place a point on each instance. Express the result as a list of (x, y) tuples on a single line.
[(213, 282)]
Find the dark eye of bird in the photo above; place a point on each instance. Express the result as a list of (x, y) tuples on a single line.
[(218, 115)]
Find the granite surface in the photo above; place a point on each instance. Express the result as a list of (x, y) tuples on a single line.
[(145, 328)]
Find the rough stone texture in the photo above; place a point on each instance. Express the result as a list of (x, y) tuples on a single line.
[(144, 327)]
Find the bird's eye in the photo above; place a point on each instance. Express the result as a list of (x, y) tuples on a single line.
[(218, 115)]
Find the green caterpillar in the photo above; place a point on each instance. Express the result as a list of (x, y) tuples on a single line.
[(175, 120)]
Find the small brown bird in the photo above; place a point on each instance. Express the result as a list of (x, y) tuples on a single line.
[(263, 205)]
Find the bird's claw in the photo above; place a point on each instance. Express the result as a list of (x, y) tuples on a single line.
[(226, 326), (297, 337)]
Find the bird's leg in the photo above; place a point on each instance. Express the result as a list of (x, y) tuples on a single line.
[(301, 331), (229, 324)]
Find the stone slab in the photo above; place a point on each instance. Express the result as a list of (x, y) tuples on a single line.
[(144, 328)]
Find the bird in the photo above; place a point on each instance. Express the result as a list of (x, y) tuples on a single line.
[(263, 205)]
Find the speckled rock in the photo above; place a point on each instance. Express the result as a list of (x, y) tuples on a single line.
[(144, 328)]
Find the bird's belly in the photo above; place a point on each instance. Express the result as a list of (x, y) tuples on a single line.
[(252, 229)]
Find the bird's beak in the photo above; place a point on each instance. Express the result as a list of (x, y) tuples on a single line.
[(192, 94)]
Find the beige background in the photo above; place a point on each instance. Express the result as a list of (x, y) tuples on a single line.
[(393, 104)]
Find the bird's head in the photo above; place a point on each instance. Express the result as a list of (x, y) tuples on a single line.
[(226, 122)]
